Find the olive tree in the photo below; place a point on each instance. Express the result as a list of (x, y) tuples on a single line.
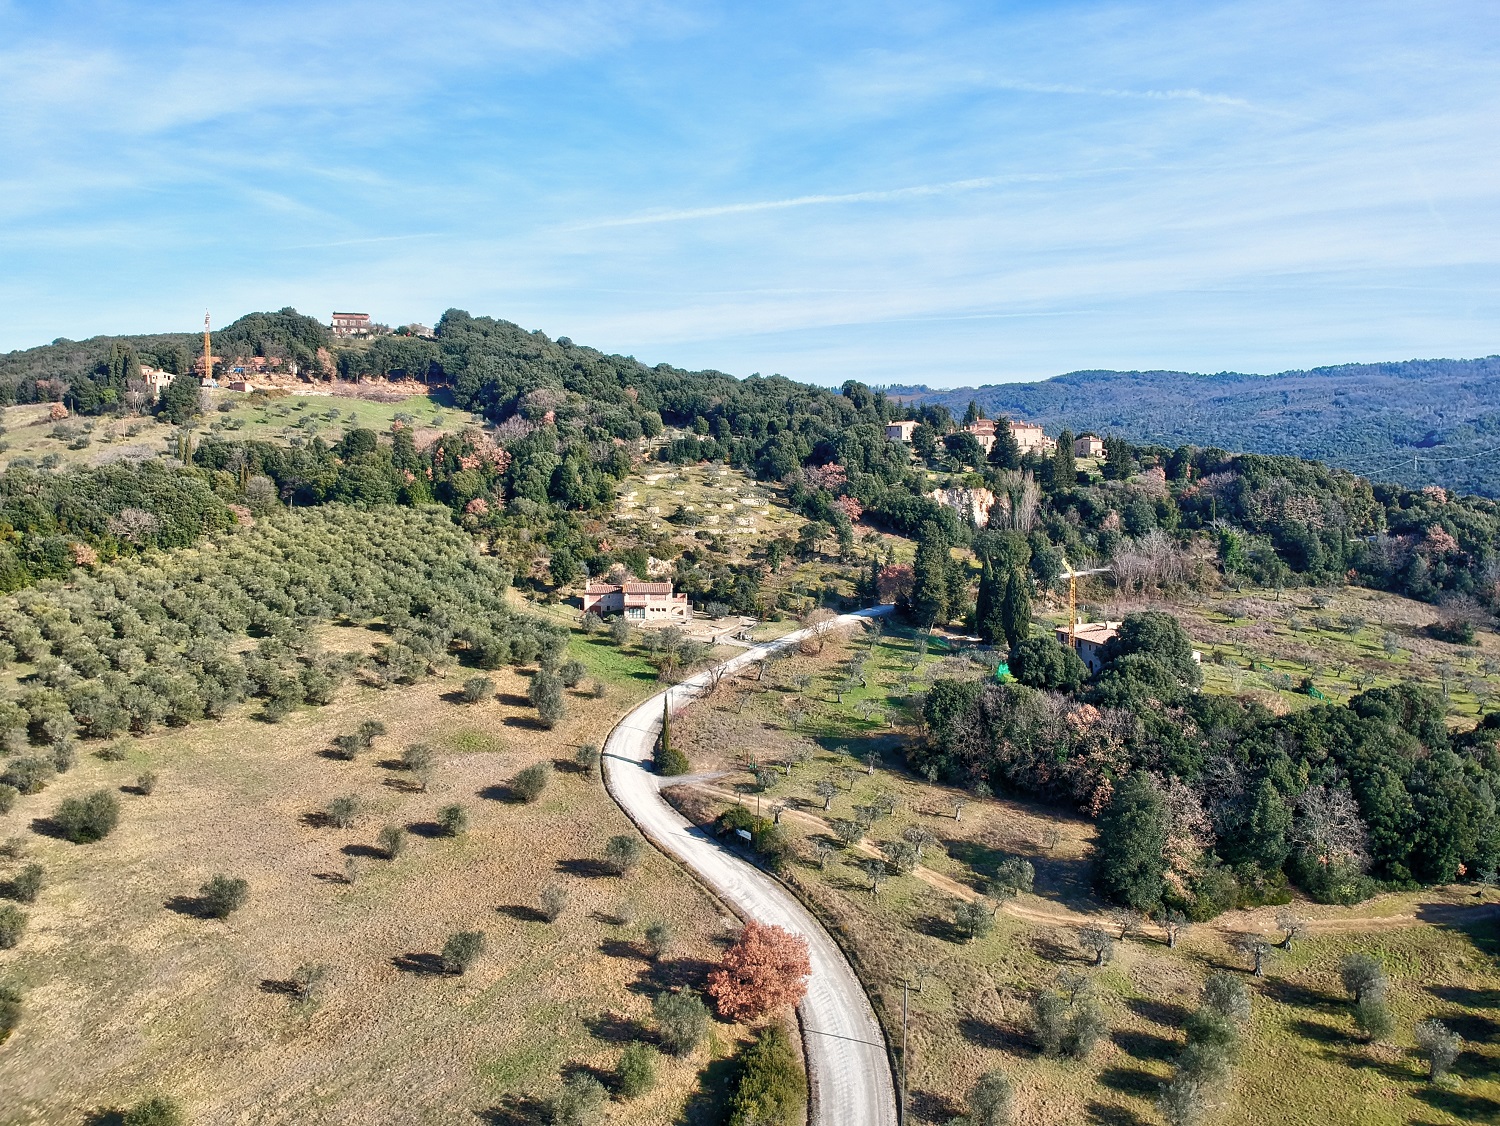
[(462, 950), (624, 853), (222, 896), (1438, 1045)]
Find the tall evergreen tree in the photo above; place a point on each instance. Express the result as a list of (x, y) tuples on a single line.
[(929, 596), (973, 414), (1015, 608), (988, 622), (1006, 452), (1130, 850), (1268, 828), (1064, 467), (1119, 461)]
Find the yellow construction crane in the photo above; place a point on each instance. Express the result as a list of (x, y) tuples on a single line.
[(1072, 577), (208, 355)]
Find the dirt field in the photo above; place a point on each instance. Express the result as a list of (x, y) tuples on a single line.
[(1303, 1061), (129, 992)]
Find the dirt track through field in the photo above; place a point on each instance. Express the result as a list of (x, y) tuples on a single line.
[(849, 1073), (1449, 914)]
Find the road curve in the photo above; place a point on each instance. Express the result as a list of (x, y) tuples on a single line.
[(849, 1074)]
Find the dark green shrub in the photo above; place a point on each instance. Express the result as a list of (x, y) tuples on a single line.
[(637, 1070), (587, 758), (12, 925), (89, 818), (477, 689), (453, 819), (369, 730), (670, 762), (222, 896), (771, 1088), (392, 841), (623, 853), (28, 775), (1455, 631), (155, 1111), (8, 795), (681, 1021), (10, 1010), (571, 673), (347, 746), (462, 950), (146, 783), (343, 812), (579, 1103), (25, 885), (530, 783), (658, 939)]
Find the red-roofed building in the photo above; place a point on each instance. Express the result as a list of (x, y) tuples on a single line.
[(638, 601)]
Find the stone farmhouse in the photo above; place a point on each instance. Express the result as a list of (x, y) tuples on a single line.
[(637, 601), (1088, 446)]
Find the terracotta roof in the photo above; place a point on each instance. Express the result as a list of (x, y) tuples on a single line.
[(648, 588)]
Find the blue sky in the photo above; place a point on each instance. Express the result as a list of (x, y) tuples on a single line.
[(944, 193)]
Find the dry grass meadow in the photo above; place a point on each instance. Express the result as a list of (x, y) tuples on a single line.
[(1302, 1060), (129, 993)]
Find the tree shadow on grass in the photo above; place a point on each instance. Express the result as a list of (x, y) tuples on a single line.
[(46, 827), (706, 1106), (934, 926), (529, 723), (606, 1079), (996, 1037), (1460, 1104), (618, 948), (430, 830), (502, 792), (369, 852), (105, 1116), (1158, 1012), (1131, 1081), (1396, 1071), (1107, 1115), (612, 1028), (928, 1106), (1285, 992), (406, 784), (1146, 1045), (1474, 1065), (586, 868), (512, 700), (516, 1110), (281, 987), (521, 913), (1315, 1030), (317, 819), (1466, 997), (671, 973), (192, 906), (428, 964), (1473, 1027)]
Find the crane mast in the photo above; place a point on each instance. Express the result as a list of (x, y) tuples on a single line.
[(208, 356)]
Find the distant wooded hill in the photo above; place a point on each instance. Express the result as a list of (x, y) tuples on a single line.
[(1371, 418)]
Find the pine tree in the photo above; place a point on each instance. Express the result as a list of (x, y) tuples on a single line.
[(1015, 608), (973, 414)]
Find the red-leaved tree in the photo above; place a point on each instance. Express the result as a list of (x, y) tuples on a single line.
[(765, 969)]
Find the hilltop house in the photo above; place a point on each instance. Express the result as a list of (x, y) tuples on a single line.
[(900, 431), (983, 430), (1088, 446), (638, 601), (155, 378), (1031, 439), (351, 324)]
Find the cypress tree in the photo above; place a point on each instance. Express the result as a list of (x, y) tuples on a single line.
[(1064, 467), (1006, 452), (1130, 851), (1015, 609), (988, 622), (929, 596)]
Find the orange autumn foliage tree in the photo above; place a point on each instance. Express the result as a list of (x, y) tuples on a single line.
[(765, 969)]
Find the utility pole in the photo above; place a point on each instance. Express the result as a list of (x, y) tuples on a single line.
[(905, 1008)]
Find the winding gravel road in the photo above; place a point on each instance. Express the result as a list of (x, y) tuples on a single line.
[(849, 1072)]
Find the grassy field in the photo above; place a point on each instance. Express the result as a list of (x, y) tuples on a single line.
[(129, 992), (92, 441), (1346, 640), (1302, 1060)]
